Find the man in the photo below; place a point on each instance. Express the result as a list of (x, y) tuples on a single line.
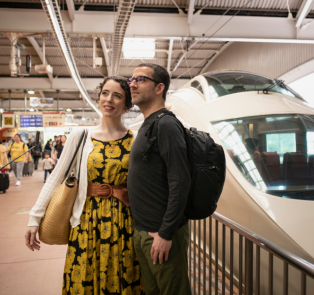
[(158, 189), (30, 143)]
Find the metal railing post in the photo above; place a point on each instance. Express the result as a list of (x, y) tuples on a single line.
[(248, 267)]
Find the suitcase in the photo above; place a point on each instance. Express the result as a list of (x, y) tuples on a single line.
[(4, 182), (28, 169)]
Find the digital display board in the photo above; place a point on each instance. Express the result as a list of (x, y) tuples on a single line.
[(31, 121)]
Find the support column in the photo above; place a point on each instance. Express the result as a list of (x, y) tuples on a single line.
[(9, 99), (25, 97), (58, 100)]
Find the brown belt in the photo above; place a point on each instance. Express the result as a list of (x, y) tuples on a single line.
[(105, 191)]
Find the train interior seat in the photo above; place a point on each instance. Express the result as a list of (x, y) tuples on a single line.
[(295, 169), (271, 170), (311, 169)]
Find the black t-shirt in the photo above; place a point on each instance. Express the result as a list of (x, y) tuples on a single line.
[(59, 151), (159, 187)]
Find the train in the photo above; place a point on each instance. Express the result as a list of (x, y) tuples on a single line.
[(267, 132)]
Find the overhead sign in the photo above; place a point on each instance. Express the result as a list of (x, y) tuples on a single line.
[(8, 119), (40, 102), (31, 121), (56, 119)]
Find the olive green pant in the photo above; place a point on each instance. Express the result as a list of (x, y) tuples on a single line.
[(170, 277)]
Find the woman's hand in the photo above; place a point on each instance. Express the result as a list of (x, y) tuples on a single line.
[(31, 240)]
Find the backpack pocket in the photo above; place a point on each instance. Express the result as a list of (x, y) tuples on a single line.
[(205, 192)]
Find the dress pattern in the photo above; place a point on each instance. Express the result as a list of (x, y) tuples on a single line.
[(100, 257)]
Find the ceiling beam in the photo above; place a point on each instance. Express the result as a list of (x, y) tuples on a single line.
[(40, 54), (71, 9), (177, 64), (191, 11), (63, 84), (246, 28), (169, 55), (106, 55), (304, 10), (221, 50)]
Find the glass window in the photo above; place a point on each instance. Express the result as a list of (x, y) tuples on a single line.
[(275, 153), (197, 85), (280, 143), (225, 83)]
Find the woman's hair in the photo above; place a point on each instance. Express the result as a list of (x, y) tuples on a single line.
[(48, 143), (60, 143), (124, 85), (19, 135)]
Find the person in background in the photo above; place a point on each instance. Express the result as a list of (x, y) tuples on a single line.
[(59, 149), (17, 148), (47, 165), (5, 143), (30, 143), (47, 148), (36, 153), (3, 157), (54, 146)]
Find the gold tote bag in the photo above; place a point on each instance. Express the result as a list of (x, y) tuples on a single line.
[(55, 226)]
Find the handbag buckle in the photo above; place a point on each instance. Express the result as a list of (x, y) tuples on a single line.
[(101, 192)]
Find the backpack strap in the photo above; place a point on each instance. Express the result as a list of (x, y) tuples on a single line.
[(152, 131)]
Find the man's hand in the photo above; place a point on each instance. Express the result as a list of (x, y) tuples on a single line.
[(160, 248)]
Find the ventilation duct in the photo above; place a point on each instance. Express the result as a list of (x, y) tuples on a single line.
[(124, 13), (53, 14)]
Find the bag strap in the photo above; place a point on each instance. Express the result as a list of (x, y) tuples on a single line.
[(153, 130), (75, 153), (84, 141)]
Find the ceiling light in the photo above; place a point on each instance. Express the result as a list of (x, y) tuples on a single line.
[(31, 110), (54, 18), (31, 92), (137, 47), (69, 110), (83, 119)]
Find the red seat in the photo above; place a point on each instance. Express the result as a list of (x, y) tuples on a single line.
[(295, 169), (271, 170)]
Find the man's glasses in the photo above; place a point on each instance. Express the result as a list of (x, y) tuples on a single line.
[(141, 79)]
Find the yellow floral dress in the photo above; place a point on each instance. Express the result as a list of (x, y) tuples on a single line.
[(101, 258)]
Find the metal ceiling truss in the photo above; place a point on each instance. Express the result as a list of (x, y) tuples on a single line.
[(53, 14), (124, 13)]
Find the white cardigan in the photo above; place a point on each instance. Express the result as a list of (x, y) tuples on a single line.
[(57, 176)]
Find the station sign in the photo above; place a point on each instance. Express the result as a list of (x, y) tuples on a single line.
[(8, 119), (56, 119), (41, 119)]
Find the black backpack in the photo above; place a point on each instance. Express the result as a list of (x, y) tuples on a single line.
[(207, 168)]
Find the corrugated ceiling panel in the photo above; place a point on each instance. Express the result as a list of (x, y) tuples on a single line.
[(269, 59)]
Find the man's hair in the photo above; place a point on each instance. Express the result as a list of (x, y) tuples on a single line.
[(159, 74)]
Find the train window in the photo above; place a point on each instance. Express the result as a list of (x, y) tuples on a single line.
[(280, 143), (225, 83), (197, 85), (275, 153)]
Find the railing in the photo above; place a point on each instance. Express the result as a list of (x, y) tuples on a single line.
[(216, 254)]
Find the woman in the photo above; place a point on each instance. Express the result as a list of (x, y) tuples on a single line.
[(37, 153), (59, 148), (17, 148), (47, 148), (100, 257)]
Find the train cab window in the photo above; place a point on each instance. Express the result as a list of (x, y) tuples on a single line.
[(231, 82), (197, 85), (275, 153)]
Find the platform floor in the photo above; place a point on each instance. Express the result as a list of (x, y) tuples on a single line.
[(40, 272), (23, 272)]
